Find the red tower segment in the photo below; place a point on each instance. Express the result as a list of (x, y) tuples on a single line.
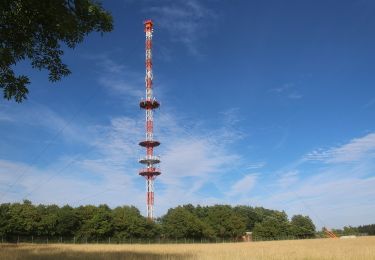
[(149, 104)]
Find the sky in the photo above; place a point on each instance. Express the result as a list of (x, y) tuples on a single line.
[(263, 103)]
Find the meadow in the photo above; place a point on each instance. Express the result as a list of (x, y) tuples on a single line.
[(358, 248)]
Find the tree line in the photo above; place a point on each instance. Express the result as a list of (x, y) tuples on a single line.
[(126, 222), (360, 230)]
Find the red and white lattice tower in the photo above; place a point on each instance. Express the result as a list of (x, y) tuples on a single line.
[(149, 104)]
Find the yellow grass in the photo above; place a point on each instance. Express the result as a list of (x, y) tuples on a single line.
[(358, 248)]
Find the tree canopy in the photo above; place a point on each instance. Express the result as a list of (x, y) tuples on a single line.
[(360, 230), (93, 223), (302, 226), (38, 30)]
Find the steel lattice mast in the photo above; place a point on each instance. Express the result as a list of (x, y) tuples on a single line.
[(149, 104)]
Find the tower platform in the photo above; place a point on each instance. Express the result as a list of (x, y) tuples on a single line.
[(150, 172), (149, 104), (149, 159), (149, 143)]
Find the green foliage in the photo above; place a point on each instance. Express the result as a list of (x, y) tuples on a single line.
[(35, 30), (302, 226), (253, 215), (225, 222), (360, 230), (367, 229), (95, 222), (47, 225), (350, 231), (4, 219), (68, 221), (22, 218), (182, 223), (129, 223), (98, 223), (276, 226)]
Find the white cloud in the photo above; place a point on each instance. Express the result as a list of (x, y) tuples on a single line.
[(193, 155), (284, 88), (122, 87), (355, 150), (287, 179), (336, 191), (186, 21), (191, 158), (39, 116), (256, 165), (5, 117), (74, 187), (288, 90), (244, 185), (329, 201), (118, 79)]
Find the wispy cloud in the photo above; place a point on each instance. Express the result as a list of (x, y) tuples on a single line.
[(118, 79), (369, 104), (73, 186), (285, 87), (191, 159), (256, 165), (288, 90), (39, 116), (186, 21), (355, 150), (244, 185), (329, 190), (329, 197), (287, 179), (4, 115)]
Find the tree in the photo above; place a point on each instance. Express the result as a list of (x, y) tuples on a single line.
[(35, 30), (67, 222), (181, 223), (129, 223), (4, 219), (225, 222), (273, 227), (23, 218), (85, 214), (96, 222), (91, 223), (48, 220), (349, 230), (302, 226), (367, 229), (252, 215)]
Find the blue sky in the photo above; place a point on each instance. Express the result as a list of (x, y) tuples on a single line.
[(263, 103)]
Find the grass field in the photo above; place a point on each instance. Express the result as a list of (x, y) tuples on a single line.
[(358, 248)]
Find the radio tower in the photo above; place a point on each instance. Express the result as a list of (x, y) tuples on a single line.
[(149, 104)]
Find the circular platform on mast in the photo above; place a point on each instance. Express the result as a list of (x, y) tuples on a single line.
[(149, 104), (150, 171), (150, 159), (149, 143)]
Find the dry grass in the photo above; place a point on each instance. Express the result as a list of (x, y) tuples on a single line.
[(359, 248)]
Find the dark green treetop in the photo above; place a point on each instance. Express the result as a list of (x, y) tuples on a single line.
[(35, 30), (303, 226)]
